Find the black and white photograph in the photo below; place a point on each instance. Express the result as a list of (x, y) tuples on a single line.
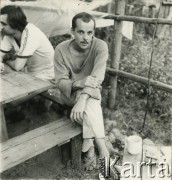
[(86, 89)]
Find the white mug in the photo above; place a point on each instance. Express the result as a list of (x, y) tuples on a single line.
[(134, 144)]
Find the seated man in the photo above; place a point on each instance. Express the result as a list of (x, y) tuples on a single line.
[(33, 51), (80, 66), (25, 47)]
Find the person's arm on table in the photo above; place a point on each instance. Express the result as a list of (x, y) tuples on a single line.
[(17, 64), (29, 44), (5, 48)]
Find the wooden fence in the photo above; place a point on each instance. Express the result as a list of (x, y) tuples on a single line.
[(116, 52), (166, 12)]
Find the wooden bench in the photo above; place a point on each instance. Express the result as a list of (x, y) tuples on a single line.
[(32, 143), (17, 85)]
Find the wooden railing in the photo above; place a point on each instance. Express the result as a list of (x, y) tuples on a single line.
[(116, 51), (139, 19), (140, 79)]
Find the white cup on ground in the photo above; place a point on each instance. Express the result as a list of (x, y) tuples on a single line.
[(134, 144)]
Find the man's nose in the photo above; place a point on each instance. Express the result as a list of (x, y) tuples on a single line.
[(85, 37)]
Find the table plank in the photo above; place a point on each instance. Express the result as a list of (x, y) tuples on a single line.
[(16, 85), (9, 91)]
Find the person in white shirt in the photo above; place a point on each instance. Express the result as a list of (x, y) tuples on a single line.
[(33, 51), (24, 47)]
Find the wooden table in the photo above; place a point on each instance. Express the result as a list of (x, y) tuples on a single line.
[(15, 85), (132, 162)]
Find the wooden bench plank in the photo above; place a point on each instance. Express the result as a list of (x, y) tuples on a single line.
[(32, 146), (32, 134)]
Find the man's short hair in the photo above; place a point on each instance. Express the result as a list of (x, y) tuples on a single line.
[(85, 17), (15, 17)]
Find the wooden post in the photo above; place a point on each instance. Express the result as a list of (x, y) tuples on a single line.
[(66, 155), (76, 148), (116, 51), (109, 8), (3, 128)]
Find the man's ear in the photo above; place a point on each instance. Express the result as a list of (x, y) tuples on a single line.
[(71, 31), (94, 32)]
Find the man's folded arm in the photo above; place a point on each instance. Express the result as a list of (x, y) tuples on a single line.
[(98, 71), (92, 92), (64, 83)]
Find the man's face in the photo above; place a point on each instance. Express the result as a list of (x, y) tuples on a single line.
[(6, 29), (83, 33)]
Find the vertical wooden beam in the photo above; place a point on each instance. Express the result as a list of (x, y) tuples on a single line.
[(66, 154), (3, 128), (116, 51), (151, 12), (76, 148), (109, 8)]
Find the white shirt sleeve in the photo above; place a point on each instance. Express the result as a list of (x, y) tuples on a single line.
[(29, 43), (6, 44)]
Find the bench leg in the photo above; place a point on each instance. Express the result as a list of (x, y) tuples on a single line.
[(65, 150), (76, 148), (3, 128)]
